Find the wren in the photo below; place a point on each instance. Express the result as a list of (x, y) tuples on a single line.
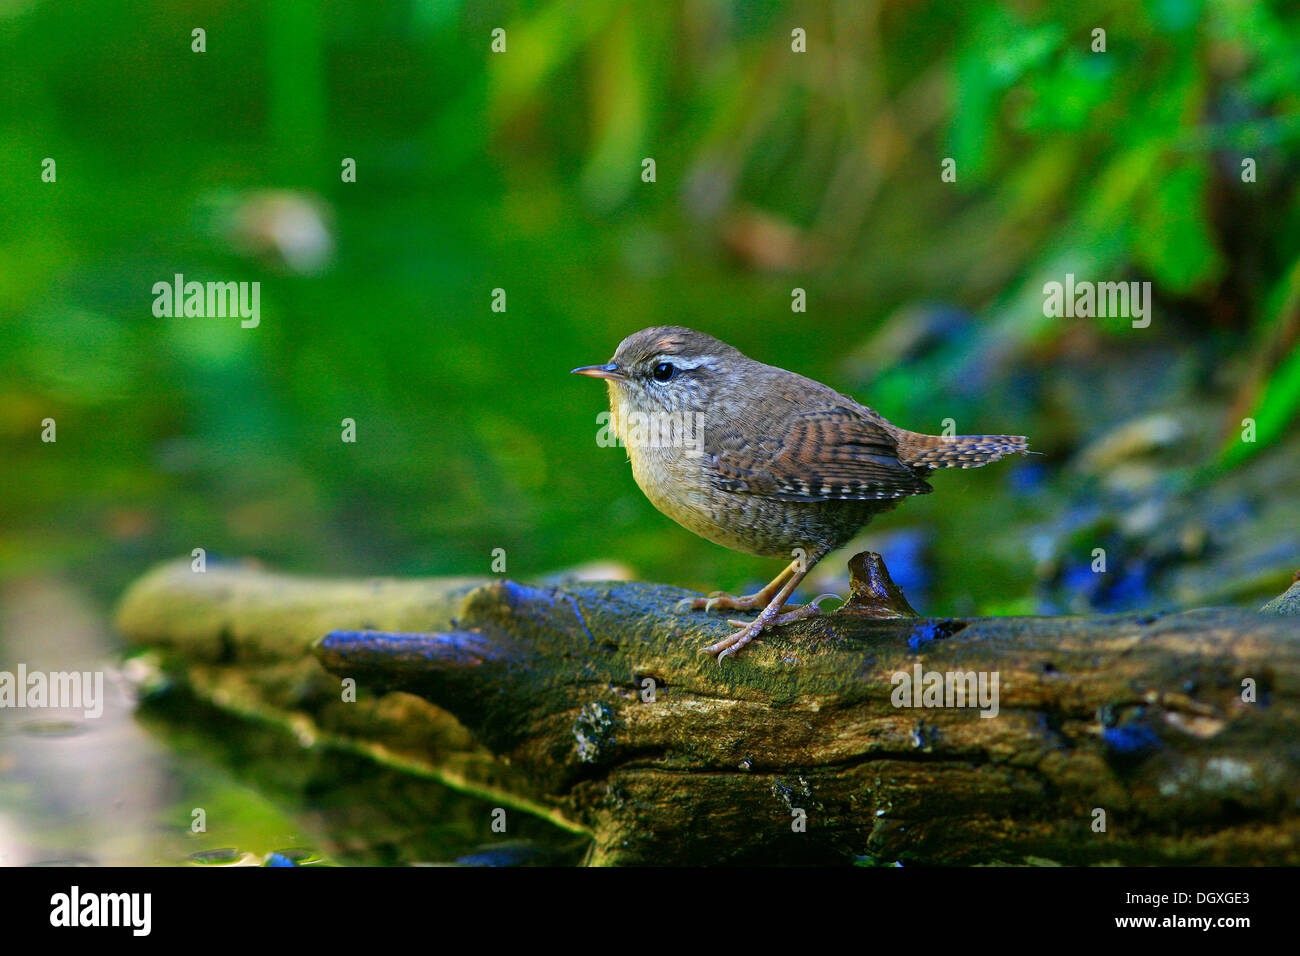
[(764, 461)]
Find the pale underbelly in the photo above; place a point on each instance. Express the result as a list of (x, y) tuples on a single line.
[(748, 523)]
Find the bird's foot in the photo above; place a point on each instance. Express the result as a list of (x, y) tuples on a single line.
[(747, 631), (799, 612), (722, 601), (734, 643), (758, 601)]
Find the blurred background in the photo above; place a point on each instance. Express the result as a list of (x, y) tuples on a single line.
[(1171, 157)]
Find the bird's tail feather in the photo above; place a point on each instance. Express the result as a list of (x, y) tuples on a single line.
[(956, 451)]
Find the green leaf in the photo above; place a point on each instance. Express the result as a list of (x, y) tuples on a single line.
[(1173, 240), (1276, 408)]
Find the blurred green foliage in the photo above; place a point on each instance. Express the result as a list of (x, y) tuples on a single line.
[(521, 171)]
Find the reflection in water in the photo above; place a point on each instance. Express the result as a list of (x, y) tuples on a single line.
[(132, 786), (75, 790)]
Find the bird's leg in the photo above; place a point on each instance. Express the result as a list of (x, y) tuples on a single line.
[(725, 601), (771, 614)]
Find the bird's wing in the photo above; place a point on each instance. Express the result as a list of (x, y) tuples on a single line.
[(825, 453)]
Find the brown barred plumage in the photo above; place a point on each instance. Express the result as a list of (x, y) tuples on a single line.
[(956, 451)]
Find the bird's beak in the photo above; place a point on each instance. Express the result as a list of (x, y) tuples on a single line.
[(600, 371)]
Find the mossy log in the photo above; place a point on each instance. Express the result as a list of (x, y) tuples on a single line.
[(240, 637), (1136, 739)]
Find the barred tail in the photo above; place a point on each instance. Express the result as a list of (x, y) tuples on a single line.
[(956, 451)]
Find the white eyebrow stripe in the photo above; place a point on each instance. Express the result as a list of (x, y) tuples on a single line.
[(707, 361)]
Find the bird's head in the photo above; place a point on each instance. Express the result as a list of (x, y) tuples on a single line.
[(667, 369)]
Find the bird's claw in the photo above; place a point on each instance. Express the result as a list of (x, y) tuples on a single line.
[(748, 631), (714, 600), (732, 643), (722, 601)]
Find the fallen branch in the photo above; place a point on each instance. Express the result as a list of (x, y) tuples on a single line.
[(597, 697)]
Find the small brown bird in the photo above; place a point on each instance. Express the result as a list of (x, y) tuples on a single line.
[(762, 460)]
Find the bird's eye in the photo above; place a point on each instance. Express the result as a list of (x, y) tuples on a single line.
[(663, 371)]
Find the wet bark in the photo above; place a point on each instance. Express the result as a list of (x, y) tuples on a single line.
[(1136, 739)]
